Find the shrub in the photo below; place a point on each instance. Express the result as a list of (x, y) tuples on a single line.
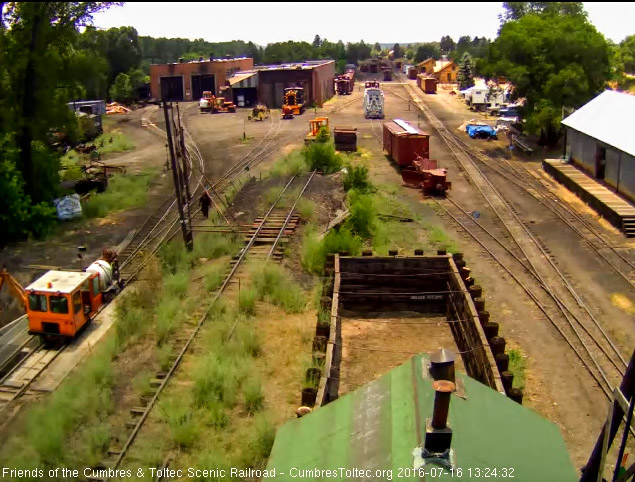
[(363, 215), (249, 339), (356, 177), (131, 319), (214, 245), (262, 439), (214, 280), (168, 317), (175, 285), (306, 209), (124, 191), (323, 135), (216, 379), (184, 429), (273, 283), (290, 165), (323, 157), (254, 396), (174, 257), (247, 301)]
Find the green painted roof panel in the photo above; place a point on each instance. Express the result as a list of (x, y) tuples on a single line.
[(377, 428)]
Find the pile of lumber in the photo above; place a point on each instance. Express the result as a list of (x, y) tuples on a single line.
[(345, 138), (116, 108)]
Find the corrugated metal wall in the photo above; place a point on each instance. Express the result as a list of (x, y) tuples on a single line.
[(620, 167)]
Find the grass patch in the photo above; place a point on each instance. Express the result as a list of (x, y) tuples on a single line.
[(183, 428), (247, 301), (306, 209), (314, 251), (273, 283), (322, 156), (45, 428), (175, 285), (356, 177), (363, 218), (214, 280), (141, 383), (517, 365), (291, 165), (169, 313), (114, 141), (217, 379), (439, 238), (214, 245), (124, 191), (254, 396)]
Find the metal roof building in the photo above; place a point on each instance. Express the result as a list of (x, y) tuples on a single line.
[(600, 140), (378, 432)]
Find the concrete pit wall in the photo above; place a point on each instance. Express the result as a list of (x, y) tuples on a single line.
[(426, 284)]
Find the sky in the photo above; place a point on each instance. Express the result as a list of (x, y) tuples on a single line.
[(403, 22)]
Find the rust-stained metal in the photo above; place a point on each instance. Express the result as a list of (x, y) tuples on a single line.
[(403, 142)]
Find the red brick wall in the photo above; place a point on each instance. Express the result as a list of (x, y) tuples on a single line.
[(186, 70)]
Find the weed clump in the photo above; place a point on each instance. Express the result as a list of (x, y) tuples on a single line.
[(124, 191), (247, 301), (254, 396), (322, 156), (274, 284), (314, 251), (184, 429), (356, 177), (306, 209)]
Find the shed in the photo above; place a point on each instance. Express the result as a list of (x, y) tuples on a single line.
[(403, 141), (244, 87), (379, 431), (600, 140)]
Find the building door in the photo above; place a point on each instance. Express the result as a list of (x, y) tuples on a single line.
[(171, 88), (600, 162), (201, 83)]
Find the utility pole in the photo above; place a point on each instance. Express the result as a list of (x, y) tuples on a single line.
[(185, 227), (186, 169)]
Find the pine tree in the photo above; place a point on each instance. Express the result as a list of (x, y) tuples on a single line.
[(466, 72)]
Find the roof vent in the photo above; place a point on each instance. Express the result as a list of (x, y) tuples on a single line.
[(442, 365), (438, 432)]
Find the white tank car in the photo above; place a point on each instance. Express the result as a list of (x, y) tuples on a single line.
[(373, 103)]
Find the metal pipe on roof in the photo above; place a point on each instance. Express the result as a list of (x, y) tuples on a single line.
[(443, 392)]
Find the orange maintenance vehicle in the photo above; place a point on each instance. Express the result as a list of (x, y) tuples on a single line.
[(61, 303), (210, 103), (314, 128)]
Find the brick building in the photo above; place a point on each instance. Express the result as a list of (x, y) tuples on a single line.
[(187, 80)]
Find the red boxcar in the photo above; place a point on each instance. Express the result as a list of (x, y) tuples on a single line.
[(412, 73), (403, 142)]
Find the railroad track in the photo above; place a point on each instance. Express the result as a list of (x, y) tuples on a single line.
[(17, 382), (158, 228), (558, 299), (262, 234)]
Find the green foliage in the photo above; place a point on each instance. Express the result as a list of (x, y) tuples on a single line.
[(254, 396), (447, 44), (363, 214), (356, 177), (427, 50), (175, 285), (466, 72), (217, 379), (314, 251), (263, 436), (306, 209), (291, 165), (274, 283), (626, 55), (184, 428), (124, 191), (323, 135), (79, 401), (132, 319), (517, 365), (169, 315), (247, 301), (214, 280), (517, 10), (322, 156), (114, 141), (121, 90), (553, 61)]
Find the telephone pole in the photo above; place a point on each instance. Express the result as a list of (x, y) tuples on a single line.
[(185, 226)]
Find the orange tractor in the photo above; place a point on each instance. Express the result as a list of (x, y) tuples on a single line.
[(60, 303), (292, 102), (210, 103), (314, 128)]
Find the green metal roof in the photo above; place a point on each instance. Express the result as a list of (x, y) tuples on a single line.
[(379, 426)]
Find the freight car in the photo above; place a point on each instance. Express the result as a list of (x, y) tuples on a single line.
[(427, 84), (425, 174), (403, 142), (412, 73), (387, 74)]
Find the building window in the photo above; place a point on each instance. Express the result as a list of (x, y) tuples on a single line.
[(37, 302), (59, 304), (454, 67)]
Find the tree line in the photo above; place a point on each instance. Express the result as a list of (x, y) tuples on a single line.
[(51, 54)]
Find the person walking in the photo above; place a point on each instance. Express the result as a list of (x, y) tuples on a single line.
[(205, 202)]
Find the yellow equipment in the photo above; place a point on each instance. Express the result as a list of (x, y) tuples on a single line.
[(259, 112), (14, 286), (314, 128), (292, 102)]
